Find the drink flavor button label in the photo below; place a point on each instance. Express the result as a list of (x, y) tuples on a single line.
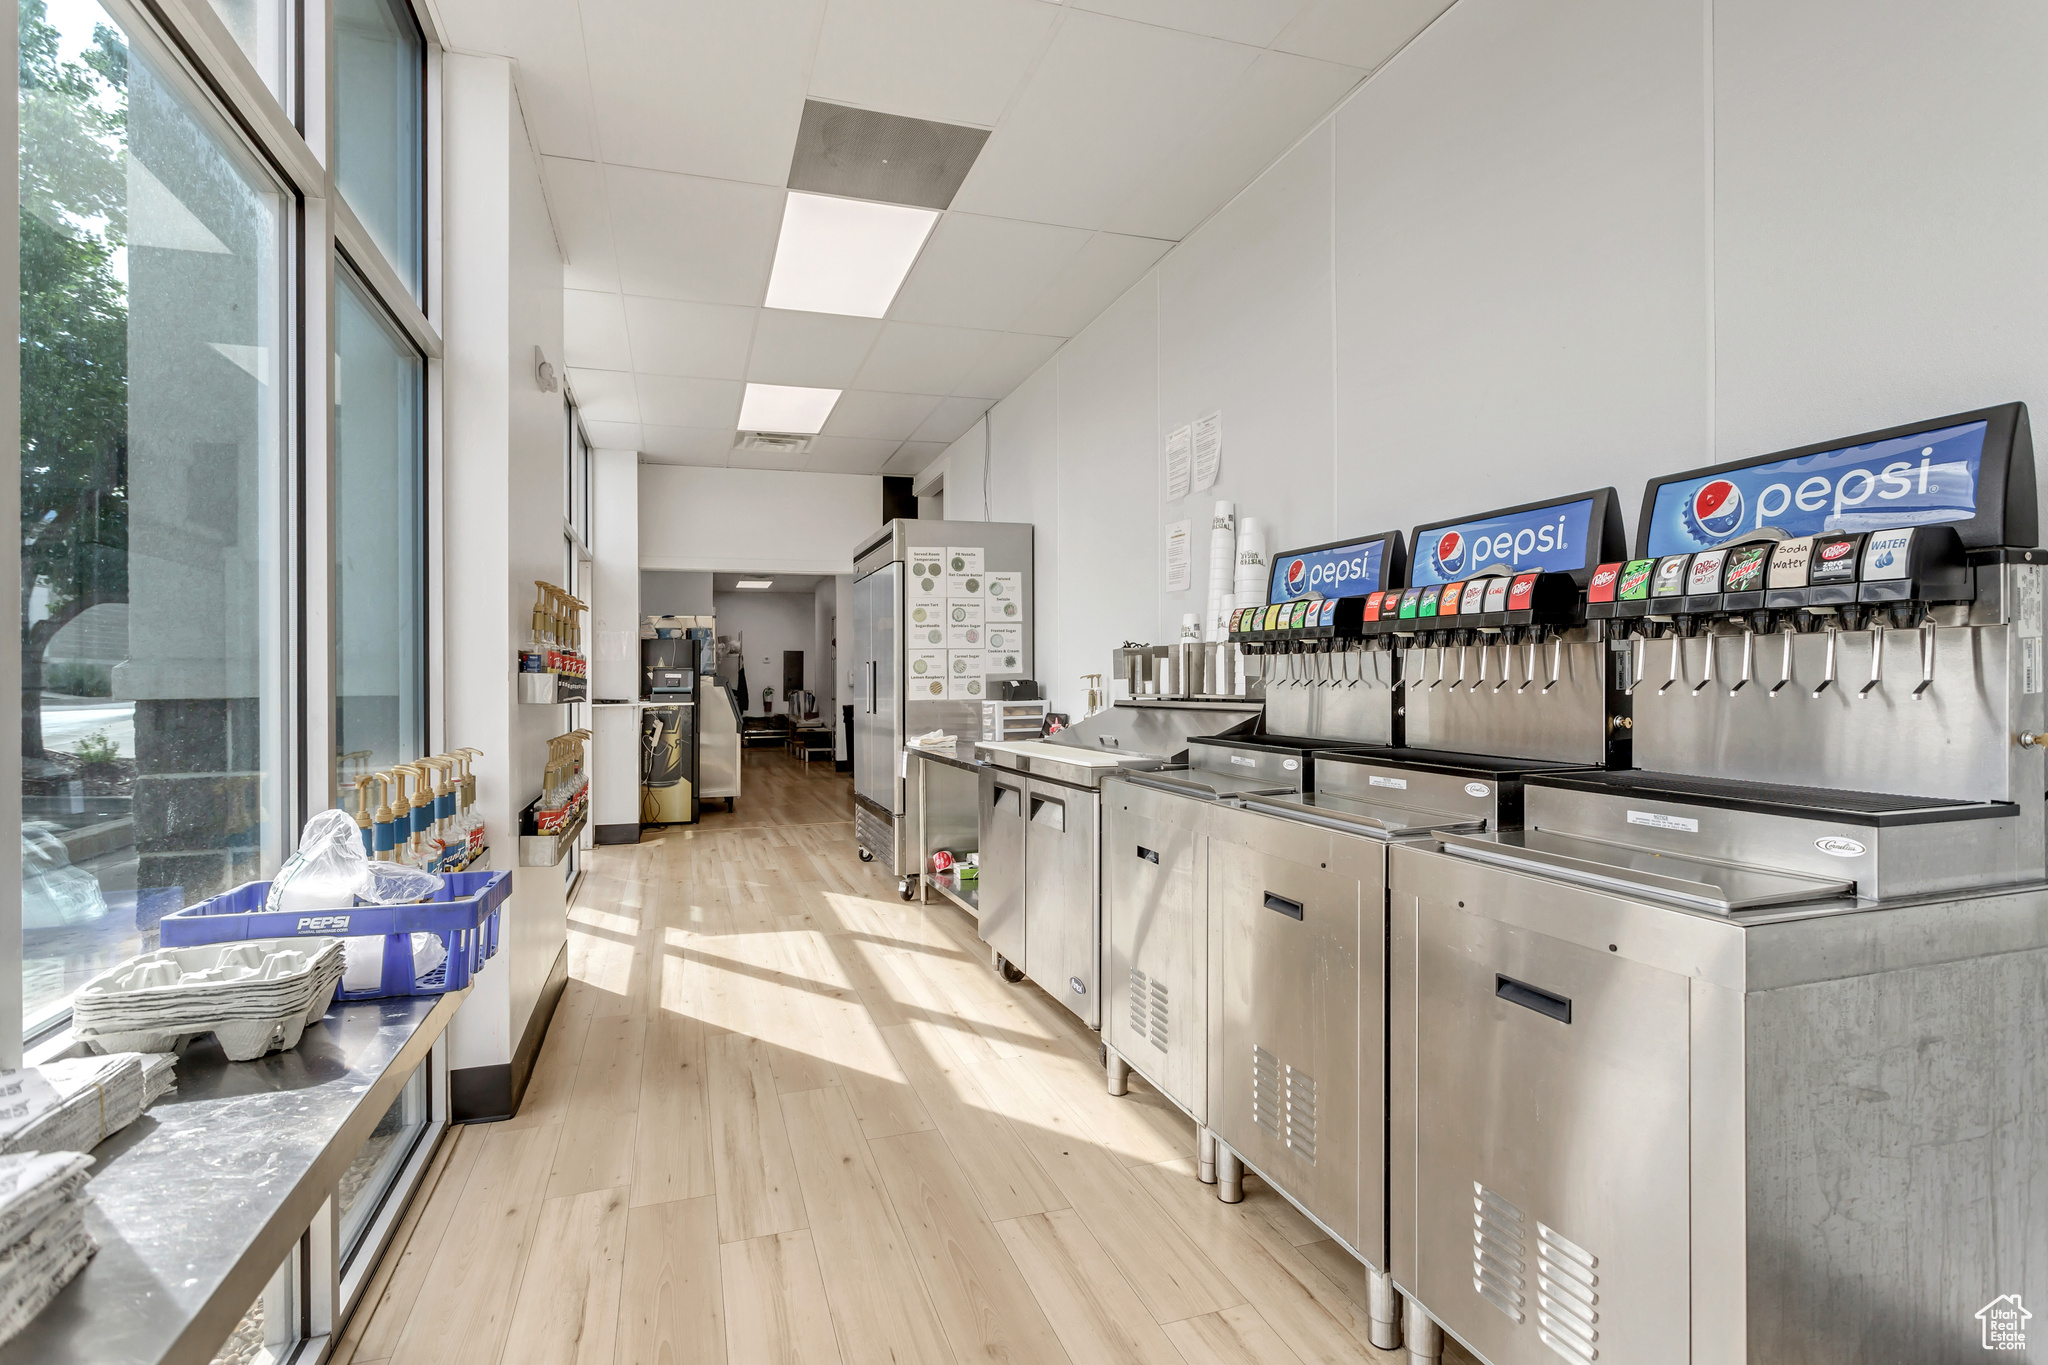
[(1888, 555), (1670, 579), (1635, 580), (1705, 575), (1605, 580), (1745, 570), (1790, 562), (1497, 592)]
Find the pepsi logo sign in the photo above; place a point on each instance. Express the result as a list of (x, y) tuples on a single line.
[(1838, 549), (1297, 576), (1449, 553), (1714, 511)]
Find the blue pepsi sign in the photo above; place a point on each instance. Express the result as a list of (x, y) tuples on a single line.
[(1552, 537), (1923, 479), (1333, 571)]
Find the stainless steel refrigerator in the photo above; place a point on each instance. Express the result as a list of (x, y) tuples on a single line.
[(983, 618)]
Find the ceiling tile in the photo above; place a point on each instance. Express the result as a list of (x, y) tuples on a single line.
[(673, 401), (913, 456), (910, 357), (708, 340), (957, 61), (849, 455), (686, 237), (594, 331), (576, 201), (1257, 22), (980, 272), (546, 40), (1093, 280), (1357, 34), (687, 445), (1239, 133), (706, 89), (1011, 358), (1108, 100), (612, 435), (878, 416), (816, 350), (950, 420), (605, 395), (767, 459)]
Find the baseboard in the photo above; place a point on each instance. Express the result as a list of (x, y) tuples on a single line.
[(618, 834), (487, 1094), (842, 765)]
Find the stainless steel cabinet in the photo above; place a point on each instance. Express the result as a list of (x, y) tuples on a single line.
[(877, 711), (1001, 922), (1060, 903), (1155, 909), (1299, 916), (1550, 1131)]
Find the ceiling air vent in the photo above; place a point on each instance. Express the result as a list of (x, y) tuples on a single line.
[(783, 442)]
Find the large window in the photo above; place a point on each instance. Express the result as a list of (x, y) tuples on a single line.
[(152, 503), (379, 539), (258, 28), (379, 103)]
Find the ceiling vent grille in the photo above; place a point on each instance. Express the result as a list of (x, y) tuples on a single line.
[(783, 442), (861, 154)]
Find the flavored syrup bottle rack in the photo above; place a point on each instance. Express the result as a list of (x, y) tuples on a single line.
[(553, 668)]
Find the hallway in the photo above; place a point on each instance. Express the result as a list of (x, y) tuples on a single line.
[(782, 1116)]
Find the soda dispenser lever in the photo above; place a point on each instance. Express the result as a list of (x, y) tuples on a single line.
[(1706, 674), (1556, 662), (1828, 674), (1926, 659), (1784, 662), (1676, 642), (1639, 651), (1876, 658), (1748, 657)]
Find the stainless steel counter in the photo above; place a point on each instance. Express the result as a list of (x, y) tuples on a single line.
[(197, 1203)]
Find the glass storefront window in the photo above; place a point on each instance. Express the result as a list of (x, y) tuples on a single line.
[(151, 501), (375, 1169), (379, 139), (258, 28), (379, 539), (273, 1325)]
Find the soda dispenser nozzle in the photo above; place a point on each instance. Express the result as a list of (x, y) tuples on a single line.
[(1926, 658), (1828, 676), (1876, 657), (1556, 663), (1639, 649), (1748, 659), (1707, 673), (1677, 643)]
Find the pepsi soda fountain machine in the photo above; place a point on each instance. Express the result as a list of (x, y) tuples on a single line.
[(1721, 1058)]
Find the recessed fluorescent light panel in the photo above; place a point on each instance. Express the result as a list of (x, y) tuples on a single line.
[(783, 407), (844, 256), (756, 583)]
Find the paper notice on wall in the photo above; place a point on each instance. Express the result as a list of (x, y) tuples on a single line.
[(1179, 561), (965, 637), (1208, 453), (927, 674), (927, 568), (1179, 442), (963, 559)]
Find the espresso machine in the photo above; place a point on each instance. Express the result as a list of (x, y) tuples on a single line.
[(1733, 1054)]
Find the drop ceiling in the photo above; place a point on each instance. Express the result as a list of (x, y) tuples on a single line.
[(666, 133)]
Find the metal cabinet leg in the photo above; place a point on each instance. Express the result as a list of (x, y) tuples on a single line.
[(1229, 1175), (1205, 1156), (1425, 1338), (1383, 1308), (1119, 1072)]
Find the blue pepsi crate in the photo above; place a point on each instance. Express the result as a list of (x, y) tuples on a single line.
[(464, 914)]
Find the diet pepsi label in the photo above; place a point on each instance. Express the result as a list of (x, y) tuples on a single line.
[(1918, 480), (1340, 571), (1552, 537)]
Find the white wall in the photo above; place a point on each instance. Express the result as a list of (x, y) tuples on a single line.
[(503, 444), (747, 519), (771, 622), (615, 637), (1546, 248)]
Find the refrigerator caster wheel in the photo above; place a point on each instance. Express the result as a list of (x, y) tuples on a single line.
[(906, 887), (1007, 970), (866, 856)]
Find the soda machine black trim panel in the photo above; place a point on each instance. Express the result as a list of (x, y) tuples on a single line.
[(2007, 513), (1608, 539), (1393, 563)]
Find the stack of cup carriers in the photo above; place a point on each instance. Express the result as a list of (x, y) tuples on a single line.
[(43, 1241), (254, 996)]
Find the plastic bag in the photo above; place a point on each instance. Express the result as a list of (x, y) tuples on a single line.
[(330, 871)]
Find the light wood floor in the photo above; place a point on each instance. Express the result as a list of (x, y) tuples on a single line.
[(782, 1116)]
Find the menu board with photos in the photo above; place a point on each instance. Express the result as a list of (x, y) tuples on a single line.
[(960, 585), (964, 559)]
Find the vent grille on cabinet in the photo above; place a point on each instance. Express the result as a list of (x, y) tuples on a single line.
[(1158, 1021), (1301, 1114), (1499, 1250), (1567, 1297), (1267, 1098)]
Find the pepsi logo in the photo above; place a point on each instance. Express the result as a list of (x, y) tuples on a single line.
[(1297, 576), (1838, 549), (1714, 512), (1449, 553)]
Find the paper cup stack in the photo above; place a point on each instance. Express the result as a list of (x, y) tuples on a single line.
[(1250, 581), (1222, 555), (43, 1241), (255, 996)]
